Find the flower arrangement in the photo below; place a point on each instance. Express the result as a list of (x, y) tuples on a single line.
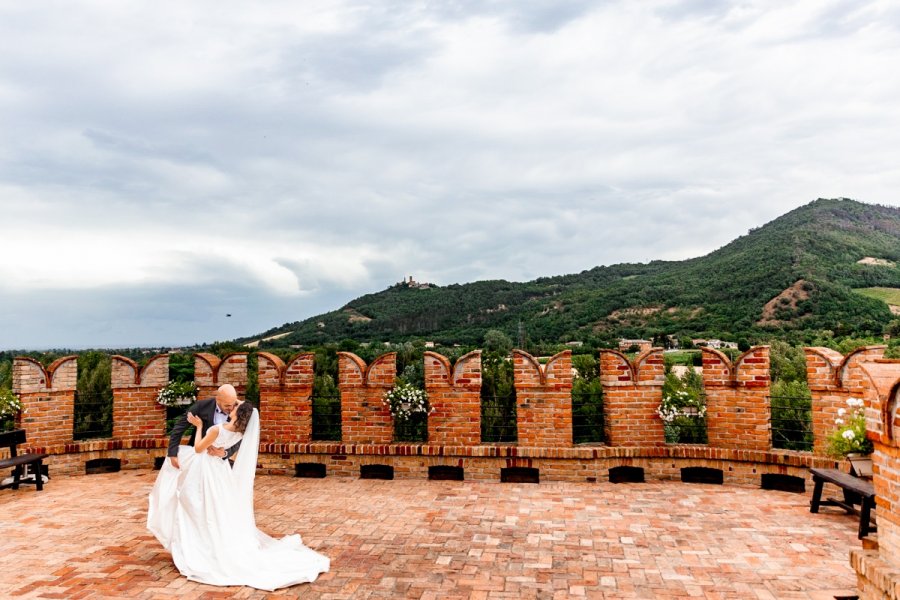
[(10, 405), (405, 401), (850, 432), (177, 393), (682, 414)]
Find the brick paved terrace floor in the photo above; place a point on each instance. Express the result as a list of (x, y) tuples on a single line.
[(84, 537)]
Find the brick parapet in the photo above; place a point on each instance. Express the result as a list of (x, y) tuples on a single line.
[(210, 372), (47, 397), (737, 399), (285, 398), (631, 394), (455, 397), (364, 416), (833, 379), (136, 413), (544, 399), (883, 426)]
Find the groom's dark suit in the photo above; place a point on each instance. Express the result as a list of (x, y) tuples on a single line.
[(206, 410)]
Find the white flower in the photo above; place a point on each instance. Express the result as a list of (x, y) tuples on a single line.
[(842, 412), (838, 421), (848, 435)]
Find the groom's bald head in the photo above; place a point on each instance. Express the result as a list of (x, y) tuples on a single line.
[(226, 398)]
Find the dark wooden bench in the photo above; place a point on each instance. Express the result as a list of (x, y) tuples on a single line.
[(11, 439), (856, 491)]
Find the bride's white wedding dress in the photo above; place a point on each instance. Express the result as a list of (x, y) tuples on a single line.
[(203, 514)]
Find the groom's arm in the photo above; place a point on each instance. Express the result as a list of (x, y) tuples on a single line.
[(230, 451)]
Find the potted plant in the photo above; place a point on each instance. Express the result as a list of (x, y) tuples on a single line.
[(177, 393), (683, 414), (409, 408), (10, 405), (849, 436)]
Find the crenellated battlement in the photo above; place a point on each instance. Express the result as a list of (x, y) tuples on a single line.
[(738, 421)]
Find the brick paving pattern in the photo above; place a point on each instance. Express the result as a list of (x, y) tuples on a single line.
[(84, 537)]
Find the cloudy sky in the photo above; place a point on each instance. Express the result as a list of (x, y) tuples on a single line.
[(164, 164)]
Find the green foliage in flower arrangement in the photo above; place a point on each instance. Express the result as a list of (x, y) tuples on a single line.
[(177, 393), (409, 408), (405, 400), (10, 405), (850, 432), (683, 408)]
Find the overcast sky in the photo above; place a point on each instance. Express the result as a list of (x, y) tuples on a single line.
[(165, 164)]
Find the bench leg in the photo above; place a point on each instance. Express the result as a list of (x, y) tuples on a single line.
[(817, 495), (38, 475), (865, 512), (17, 474)]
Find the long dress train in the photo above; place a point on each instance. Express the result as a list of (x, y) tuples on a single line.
[(203, 514)]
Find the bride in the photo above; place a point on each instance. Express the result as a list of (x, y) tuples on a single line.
[(203, 514)]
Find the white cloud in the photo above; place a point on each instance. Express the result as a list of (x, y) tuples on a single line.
[(290, 156)]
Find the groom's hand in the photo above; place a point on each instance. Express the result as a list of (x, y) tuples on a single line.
[(174, 460), (217, 452)]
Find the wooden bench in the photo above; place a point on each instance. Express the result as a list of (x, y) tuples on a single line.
[(11, 439), (856, 491)]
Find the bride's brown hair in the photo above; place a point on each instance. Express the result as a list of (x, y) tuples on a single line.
[(244, 412)]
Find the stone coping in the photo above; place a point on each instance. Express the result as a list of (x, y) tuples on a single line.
[(789, 458), (875, 574)]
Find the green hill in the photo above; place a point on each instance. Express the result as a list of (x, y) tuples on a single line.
[(795, 274)]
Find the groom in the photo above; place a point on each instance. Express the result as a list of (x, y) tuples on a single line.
[(212, 411)]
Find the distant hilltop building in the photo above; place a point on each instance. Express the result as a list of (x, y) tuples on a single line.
[(412, 283)]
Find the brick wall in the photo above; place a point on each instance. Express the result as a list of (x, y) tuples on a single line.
[(48, 399), (878, 571), (544, 400), (285, 392), (210, 372), (631, 394), (455, 397), (833, 379), (737, 399), (136, 413), (364, 417)]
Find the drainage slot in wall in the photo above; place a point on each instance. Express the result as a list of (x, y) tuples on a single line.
[(102, 465), (520, 475), (626, 475), (311, 470), (701, 475), (783, 483), (376, 472), (445, 473)]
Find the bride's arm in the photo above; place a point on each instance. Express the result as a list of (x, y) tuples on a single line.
[(202, 442)]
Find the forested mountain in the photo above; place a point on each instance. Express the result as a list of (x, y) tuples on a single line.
[(795, 276)]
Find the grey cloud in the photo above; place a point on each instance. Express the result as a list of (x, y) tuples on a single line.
[(450, 141)]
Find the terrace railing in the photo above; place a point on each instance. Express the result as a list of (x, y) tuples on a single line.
[(791, 422)]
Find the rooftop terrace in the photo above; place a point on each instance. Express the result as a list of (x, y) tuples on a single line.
[(84, 537)]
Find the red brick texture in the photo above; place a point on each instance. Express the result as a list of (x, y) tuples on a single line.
[(136, 413), (365, 419), (631, 394), (878, 570), (48, 399), (737, 399), (544, 400), (833, 379), (210, 372), (285, 392), (455, 397)]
